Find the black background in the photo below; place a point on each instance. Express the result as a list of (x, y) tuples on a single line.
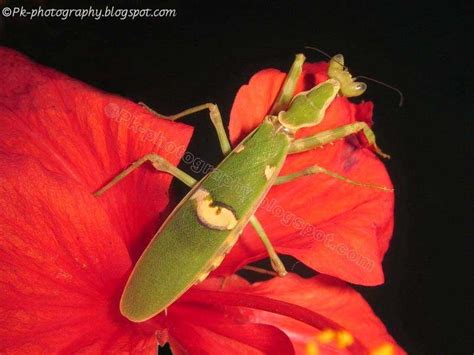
[(208, 51)]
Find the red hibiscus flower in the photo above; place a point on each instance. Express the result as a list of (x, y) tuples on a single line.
[(333, 227), (65, 255)]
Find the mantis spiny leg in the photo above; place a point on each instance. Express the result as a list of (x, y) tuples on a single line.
[(214, 115), (259, 270), (159, 163), (323, 138), (277, 264), (316, 169), (287, 90)]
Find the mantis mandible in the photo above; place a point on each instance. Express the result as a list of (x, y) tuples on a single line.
[(207, 222)]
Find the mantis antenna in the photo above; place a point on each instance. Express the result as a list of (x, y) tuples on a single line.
[(398, 91)]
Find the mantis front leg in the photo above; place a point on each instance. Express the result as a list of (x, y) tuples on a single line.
[(323, 138)]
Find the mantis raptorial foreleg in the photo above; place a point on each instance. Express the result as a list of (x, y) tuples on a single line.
[(214, 115), (161, 164), (316, 169), (323, 138), (287, 90)]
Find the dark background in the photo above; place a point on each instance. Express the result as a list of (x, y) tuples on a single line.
[(208, 51)]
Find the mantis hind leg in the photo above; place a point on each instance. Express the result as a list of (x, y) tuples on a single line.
[(323, 138), (277, 264)]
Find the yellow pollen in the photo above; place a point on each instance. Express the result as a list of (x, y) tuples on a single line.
[(384, 349), (312, 348), (344, 339), (326, 336)]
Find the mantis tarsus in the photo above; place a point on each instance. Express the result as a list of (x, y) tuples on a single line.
[(205, 225)]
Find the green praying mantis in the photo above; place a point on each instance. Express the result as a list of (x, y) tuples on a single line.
[(205, 225)]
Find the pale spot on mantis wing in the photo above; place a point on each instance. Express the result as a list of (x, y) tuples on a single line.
[(269, 170), (211, 214), (218, 259)]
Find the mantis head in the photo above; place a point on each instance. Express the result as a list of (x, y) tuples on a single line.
[(337, 71), (308, 108)]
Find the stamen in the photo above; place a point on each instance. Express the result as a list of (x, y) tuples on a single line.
[(326, 336), (384, 349), (340, 338), (312, 348), (344, 339)]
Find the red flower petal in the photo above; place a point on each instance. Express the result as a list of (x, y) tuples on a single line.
[(214, 326), (302, 308), (260, 93), (62, 264), (330, 298), (229, 339), (364, 112), (64, 254), (333, 227), (89, 136)]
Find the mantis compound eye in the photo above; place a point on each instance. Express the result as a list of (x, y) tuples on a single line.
[(360, 86), (355, 89), (338, 60)]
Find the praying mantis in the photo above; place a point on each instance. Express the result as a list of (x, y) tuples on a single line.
[(205, 225)]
